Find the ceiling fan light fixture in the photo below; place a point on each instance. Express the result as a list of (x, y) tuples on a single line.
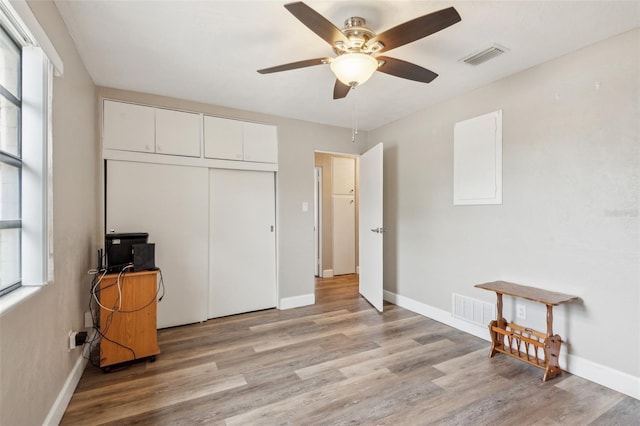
[(354, 69)]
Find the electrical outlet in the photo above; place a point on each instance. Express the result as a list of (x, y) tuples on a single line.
[(72, 339), (521, 311)]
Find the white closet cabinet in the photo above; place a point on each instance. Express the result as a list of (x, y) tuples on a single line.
[(242, 259), (171, 203), (177, 133), (128, 127), (344, 235), (222, 138), (343, 188), (260, 142), (343, 175), (238, 140)]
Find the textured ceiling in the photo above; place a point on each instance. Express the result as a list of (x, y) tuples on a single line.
[(209, 51)]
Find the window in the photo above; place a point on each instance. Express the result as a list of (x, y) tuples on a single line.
[(27, 61), (10, 164)]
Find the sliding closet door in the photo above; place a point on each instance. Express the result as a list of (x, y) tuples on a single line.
[(171, 204), (242, 275)]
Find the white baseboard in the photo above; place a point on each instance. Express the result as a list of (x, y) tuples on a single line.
[(597, 373), (62, 401), (437, 314), (603, 375), (327, 273), (297, 301)]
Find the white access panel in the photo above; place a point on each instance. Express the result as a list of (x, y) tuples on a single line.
[(344, 234), (128, 127), (477, 160), (177, 133), (242, 276), (171, 203)]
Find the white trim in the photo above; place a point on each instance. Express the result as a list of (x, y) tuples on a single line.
[(17, 296), (62, 401), (327, 273), (297, 301), (597, 373), (35, 247), (177, 160), (603, 375), (26, 16), (437, 314)]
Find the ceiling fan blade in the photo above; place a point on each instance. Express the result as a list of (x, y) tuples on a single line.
[(295, 65), (316, 23), (416, 29), (404, 69), (340, 90)]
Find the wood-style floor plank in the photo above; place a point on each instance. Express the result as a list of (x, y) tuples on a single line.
[(336, 362)]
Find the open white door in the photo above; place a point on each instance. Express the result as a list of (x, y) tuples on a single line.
[(371, 230)]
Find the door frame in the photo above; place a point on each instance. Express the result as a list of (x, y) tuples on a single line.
[(317, 219), (321, 220)]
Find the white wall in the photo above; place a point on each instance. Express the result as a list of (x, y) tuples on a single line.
[(569, 221), (34, 359)]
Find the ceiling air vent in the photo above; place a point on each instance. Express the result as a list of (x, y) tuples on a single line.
[(484, 55)]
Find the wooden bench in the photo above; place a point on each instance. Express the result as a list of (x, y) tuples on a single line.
[(517, 341)]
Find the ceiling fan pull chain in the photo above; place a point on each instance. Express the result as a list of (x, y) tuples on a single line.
[(354, 130)]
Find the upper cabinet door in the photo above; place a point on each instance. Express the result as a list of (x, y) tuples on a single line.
[(177, 133), (128, 127), (222, 138), (260, 142), (343, 175)]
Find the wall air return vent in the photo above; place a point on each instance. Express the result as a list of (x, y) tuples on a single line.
[(473, 310), (484, 55)]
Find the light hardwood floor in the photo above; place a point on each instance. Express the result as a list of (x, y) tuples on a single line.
[(337, 362)]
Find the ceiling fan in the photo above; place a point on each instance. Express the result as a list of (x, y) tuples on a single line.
[(357, 47)]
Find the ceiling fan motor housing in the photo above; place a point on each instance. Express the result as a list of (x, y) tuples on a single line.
[(358, 34)]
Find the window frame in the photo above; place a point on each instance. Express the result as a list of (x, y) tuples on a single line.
[(14, 160), (40, 62)]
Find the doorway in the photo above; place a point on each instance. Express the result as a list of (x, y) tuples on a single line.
[(336, 213)]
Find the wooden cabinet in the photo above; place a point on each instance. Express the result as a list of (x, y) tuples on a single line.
[(131, 127), (238, 140), (128, 317)]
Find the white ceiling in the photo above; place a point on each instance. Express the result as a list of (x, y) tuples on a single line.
[(209, 51)]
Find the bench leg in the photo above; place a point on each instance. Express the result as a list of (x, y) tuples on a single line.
[(551, 354)]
